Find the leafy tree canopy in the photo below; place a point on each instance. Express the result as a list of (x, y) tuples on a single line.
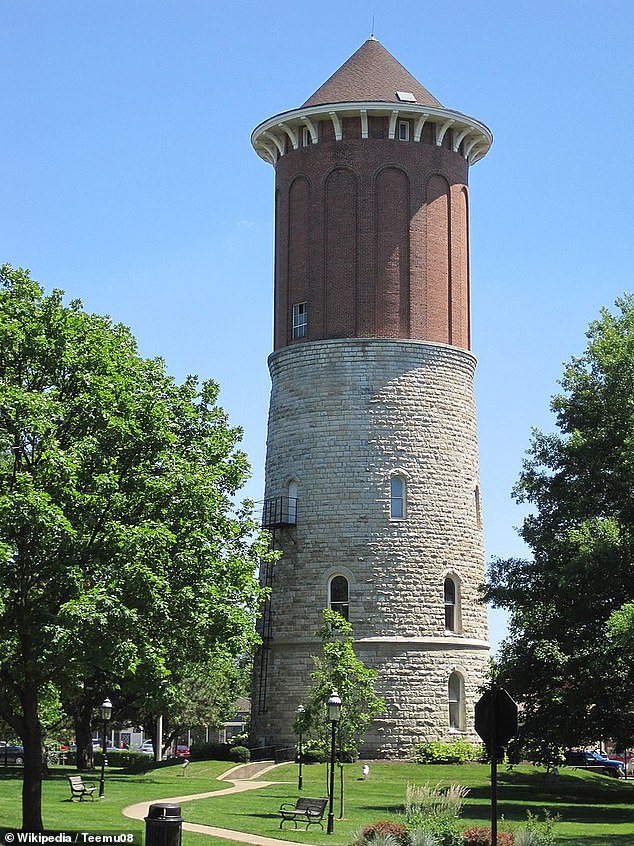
[(121, 552), (557, 660)]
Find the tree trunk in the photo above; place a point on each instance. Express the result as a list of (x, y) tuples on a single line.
[(82, 717), (33, 755)]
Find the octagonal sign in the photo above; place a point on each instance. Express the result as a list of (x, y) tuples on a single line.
[(496, 716)]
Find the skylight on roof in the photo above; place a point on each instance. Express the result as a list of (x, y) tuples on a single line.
[(406, 97)]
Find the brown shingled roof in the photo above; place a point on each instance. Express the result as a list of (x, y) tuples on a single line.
[(370, 75)]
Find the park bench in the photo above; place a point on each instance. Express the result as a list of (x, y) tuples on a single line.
[(78, 788), (310, 811)]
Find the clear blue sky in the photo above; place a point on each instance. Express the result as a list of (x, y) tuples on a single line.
[(128, 179)]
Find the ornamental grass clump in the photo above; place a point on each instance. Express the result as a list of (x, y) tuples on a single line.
[(435, 810), (425, 801), (526, 837), (420, 837)]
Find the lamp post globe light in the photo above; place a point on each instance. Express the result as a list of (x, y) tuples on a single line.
[(299, 717), (334, 715), (106, 714)]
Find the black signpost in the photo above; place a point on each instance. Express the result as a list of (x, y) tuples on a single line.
[(496, 723)]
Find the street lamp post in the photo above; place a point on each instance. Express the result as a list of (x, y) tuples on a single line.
[(300, 726), (334, 715), (106, 714)]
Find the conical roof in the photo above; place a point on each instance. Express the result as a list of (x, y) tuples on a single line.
[(371, 75)]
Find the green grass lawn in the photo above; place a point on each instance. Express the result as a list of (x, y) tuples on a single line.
[(122, 789), (594, 810)]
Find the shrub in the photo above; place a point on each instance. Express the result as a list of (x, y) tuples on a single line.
[(446, 830), (126, 758), (201, 751), (537, 832), (313, 753), (479, 836), (456, 752), (385, 827), (240, 754)]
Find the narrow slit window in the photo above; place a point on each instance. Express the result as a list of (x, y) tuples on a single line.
[(403, 130), (300, 320), (456, 702), (397, 498), (450, 605), (291, 503)]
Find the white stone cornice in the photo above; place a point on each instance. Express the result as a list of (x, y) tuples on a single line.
[(476, 135), (416, 643)]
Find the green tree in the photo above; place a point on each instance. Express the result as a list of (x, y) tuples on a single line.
[(557, 661), (121, 552), (205, 698), (338, 668)]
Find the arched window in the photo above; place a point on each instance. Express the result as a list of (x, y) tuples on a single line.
[(397, 498), (338, 596), (451, 605), (456, 702)]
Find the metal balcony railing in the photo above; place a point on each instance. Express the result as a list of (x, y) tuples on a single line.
[(279, 511)]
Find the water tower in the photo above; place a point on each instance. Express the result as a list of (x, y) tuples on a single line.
[(372, 480)]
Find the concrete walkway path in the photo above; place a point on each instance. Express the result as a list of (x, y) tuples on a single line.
[(241, 779)]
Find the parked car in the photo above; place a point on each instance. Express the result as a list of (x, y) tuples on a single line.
[(596, 762), (11, 754), (147, 747), (181, 750), (96, 747), (629, 760)]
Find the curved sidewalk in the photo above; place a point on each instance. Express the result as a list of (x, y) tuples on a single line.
[(241, 779)]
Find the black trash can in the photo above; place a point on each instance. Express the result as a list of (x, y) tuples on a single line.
[(163, 825)]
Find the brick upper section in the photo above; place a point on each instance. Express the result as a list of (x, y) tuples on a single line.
[(372, 236), (371, 75)]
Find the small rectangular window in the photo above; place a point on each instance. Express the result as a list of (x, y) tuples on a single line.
[(300, 320), (403, 130), (306, 137)]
